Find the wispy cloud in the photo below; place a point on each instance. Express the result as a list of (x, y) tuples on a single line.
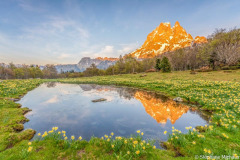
[(99, 50), (27, 5), (54, 99), (2, 39), (128, 48), (5, 40), (110, 50), (64, 55), (60, 38), (57, 26)]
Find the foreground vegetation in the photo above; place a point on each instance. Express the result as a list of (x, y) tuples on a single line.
[(218, 94)]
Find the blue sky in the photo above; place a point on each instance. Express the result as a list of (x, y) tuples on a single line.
[(64, 31)]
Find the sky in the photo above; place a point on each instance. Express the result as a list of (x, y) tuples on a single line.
[(63, 31)]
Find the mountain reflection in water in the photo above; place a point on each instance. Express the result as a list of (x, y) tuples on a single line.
[(161, 110), (159, 107)]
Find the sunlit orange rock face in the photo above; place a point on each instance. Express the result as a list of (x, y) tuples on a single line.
[(164, 39), (159, 110), (103, 89), (199, 39), (107, 58)]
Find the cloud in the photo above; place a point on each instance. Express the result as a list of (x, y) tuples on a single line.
[(110, 50), (83, 32), (54, 99), (54, 38), (4, 40), (99, 51), (128, 48), (27, 6), (106, 50), (57, 26), (64, 55)]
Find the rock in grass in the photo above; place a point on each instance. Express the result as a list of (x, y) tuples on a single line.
[(99, 100), (193, 72), (13, 99), (143, 75), (178, 99), (227, 71)]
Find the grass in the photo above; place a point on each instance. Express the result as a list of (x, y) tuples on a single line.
[(218, 92), (11, 115), (54, 146)]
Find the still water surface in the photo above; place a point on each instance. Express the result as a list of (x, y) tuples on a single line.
[(70, 107)]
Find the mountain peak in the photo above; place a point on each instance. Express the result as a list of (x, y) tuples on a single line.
[(101, 63), (164, 39), (166, 24), (199, 39), (177, 23)]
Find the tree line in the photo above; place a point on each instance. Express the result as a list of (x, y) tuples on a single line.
[(27, 71), (124, 65), (49, 71)]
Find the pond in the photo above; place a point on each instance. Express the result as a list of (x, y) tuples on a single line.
[(70, 107)]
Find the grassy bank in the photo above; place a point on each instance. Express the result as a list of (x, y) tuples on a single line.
[(11, 115), (218, 92)]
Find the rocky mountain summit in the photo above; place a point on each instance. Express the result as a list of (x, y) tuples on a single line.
[(86, 62), (100, 63), (62, 68), (164, 39)]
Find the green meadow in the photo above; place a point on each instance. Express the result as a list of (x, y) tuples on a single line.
[(217, 92)]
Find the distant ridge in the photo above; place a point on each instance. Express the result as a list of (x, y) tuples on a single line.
[(86, 62), (101, 63)]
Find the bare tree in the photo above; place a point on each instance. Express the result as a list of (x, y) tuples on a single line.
[(227, 46)]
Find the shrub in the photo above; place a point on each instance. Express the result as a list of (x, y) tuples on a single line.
[(204, 69), (225, 68), (151, 70), (233, 67), (193, 72), (230, 67), (165, 65)]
